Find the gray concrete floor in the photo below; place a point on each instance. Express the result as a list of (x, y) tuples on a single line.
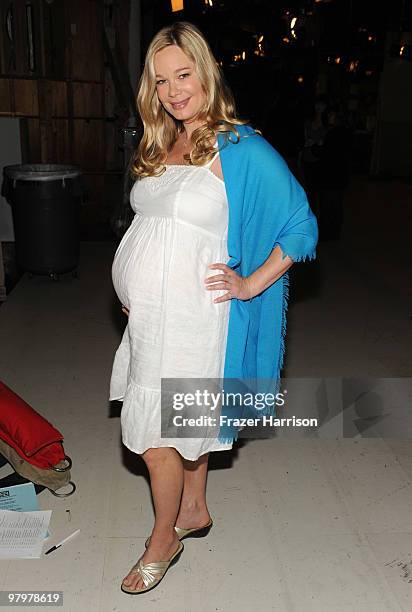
[(302, 524)]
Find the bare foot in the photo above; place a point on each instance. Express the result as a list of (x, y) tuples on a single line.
[(159, 549), (190, 518)]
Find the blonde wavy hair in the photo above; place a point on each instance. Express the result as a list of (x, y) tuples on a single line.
[(160, 129)]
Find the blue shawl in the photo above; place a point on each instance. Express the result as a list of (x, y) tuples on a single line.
[(267, 207)]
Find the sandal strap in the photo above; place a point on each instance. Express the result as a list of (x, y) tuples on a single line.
[(158, 565), (154, 571), (183, 532)]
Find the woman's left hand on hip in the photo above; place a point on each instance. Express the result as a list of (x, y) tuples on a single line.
[(237, 286)]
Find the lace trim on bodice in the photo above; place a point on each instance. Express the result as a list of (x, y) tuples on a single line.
[(173, 172), (154, 183)]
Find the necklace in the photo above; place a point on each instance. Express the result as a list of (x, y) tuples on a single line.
[(185, 144), (185, 141), (180, 149)]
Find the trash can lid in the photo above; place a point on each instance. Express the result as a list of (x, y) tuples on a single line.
[(41, 172)]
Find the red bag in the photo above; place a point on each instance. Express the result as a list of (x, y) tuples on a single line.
[(30, 434), (32, 437)]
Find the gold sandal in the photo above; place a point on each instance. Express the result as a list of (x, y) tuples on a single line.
[(196, 532), (152, 573)]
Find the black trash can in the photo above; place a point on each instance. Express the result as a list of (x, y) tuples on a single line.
[(45, 201)]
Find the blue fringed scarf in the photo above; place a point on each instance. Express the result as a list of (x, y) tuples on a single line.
[(267, 207)]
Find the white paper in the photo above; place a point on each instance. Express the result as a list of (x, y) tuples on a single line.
[(22, 533)]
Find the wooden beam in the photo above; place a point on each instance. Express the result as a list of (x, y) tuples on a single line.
[(45, 97), (120, 77), (69, 74)]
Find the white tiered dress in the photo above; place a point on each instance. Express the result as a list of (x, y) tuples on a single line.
[(174, 329)]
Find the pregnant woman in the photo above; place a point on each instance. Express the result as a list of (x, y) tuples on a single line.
[(219, 220)]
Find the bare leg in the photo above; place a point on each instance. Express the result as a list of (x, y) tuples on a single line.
[(166, 481), (193, 510)]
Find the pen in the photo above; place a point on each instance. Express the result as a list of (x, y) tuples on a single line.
[(62, 542)]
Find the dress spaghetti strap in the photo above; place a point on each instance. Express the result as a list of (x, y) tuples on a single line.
[(209, 163)]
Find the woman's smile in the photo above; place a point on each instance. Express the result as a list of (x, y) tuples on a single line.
[(179, 105)]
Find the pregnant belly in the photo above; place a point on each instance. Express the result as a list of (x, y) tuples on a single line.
[(148, 269), (138, 265)]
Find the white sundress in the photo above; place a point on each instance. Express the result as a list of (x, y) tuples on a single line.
[(174, 328)]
